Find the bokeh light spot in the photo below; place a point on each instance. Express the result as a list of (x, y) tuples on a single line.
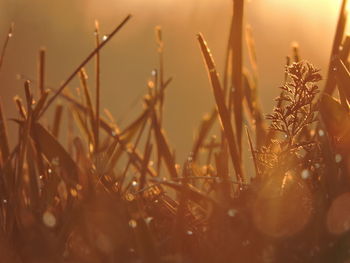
[(338, 217), (283, 206)]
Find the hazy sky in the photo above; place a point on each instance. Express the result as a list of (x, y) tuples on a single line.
[(65, 28)]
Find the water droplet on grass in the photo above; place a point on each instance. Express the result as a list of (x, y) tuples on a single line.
[(148, 220), (49, 219), (133, 223), (129, 197), (320, 133), (305, 174), (232, 212), (338, 158), (73, 192)]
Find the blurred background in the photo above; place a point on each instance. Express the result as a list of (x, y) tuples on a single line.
[(65, 28)]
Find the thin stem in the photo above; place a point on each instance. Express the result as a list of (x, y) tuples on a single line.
[(3, 51), (89, 57), (97, 117)]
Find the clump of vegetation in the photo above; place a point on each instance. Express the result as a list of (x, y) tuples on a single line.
[(119, 195)]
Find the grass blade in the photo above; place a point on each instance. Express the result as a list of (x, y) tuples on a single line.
[(52, 149), (97, 107), (335, 116), (251, 96), (4, 144), (237, 62), (57, 120), (41, 71), (251, 49), (3, 51), (207, 123), (253, 153), (221, 106), (342, 76), (163, 147), (330, 82)]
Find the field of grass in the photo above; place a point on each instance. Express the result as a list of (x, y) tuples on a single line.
[(78, 188)]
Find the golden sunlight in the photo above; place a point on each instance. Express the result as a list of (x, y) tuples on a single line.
[(174, 131)]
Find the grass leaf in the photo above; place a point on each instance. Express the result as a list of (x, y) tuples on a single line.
[(221, 106)]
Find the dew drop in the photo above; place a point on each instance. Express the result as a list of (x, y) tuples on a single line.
[(49, 219), (10, 35), (49, 171), (320, 133), (55, 161), (189, 232), (129, 197), (305, 174), (105, 37), (232, 212), (151, 84), (338, 158), (154, 72), (190, 158), (4, 201), (134, 183), (91, 147), (133, 223), (73, 192), (148, 220)]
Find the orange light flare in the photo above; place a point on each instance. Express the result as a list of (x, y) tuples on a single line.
[(338, 216), (283, 206)]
